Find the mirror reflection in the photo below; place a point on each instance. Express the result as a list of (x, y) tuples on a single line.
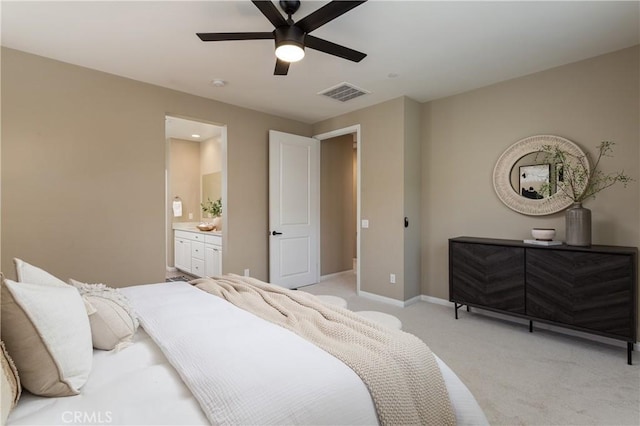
[(211, 186), (534, 179)]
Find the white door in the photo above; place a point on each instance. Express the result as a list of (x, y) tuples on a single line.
[(294, 209)]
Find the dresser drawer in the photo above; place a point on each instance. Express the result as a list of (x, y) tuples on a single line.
[(197, 250)]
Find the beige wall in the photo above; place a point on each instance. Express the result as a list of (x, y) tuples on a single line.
[(382, 179), (184, 178), (337, 214), (211, 156), (83, 158), (412, 192), (83, 172), (464, 135), (390, 190)]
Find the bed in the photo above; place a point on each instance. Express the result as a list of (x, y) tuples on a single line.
[(241, 370)]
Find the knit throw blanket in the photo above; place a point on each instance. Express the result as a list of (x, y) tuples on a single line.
[(399, 370)]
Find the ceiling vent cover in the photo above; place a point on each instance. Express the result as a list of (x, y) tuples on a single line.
[(343, 92)]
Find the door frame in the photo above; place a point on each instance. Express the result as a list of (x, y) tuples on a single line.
[(168, 218), (332, 134)]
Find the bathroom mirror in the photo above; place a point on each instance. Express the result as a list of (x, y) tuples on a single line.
[(211, 186), (521, 173)]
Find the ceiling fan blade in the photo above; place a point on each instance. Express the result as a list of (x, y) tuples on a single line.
[(234, 36), (269, 10), (282, 67), (333, 49), (326, 13)]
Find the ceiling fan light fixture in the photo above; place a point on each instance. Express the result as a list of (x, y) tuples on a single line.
[(289, 43), (292, 37), (289, 52)]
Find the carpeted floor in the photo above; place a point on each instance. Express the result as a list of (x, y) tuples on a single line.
[(518, 378)]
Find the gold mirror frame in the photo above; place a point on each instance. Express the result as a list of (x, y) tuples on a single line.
[(502, 176)]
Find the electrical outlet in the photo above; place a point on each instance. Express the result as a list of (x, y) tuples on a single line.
[(392, 278), (246, 272), (365, 223), (190, 216)]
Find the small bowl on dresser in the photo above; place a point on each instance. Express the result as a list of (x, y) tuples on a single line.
[(543, 234), (205, 226)]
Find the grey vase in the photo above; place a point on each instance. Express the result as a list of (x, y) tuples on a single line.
[(578, 226)]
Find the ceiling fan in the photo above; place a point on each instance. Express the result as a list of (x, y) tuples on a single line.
[(292, 37)]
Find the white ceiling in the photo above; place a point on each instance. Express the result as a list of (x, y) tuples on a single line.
[(436, 49)]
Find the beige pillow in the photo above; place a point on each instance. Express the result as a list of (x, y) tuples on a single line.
[(46, 329), (10, 388), (113, 323)]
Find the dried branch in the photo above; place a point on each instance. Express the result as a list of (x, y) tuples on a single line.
[(581, 183)]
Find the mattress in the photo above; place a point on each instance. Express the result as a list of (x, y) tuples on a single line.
[(138, 386)]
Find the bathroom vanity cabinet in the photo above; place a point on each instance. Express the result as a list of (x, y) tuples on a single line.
[(198, 253)]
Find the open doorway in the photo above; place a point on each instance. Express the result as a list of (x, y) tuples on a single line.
[(340, 204), (195, 174)]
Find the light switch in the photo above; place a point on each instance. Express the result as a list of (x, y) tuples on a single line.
[(365, 223)]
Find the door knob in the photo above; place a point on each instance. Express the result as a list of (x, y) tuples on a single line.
[(276, 233)]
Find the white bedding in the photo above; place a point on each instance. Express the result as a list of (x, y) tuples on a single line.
[(136, 386), (249, 358)]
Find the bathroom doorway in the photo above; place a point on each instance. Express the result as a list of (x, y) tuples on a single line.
[(340, 204), (195, 173)]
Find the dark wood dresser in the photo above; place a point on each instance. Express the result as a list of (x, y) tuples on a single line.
[(590, 289)]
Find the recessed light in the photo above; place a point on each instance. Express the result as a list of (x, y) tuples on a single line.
[(195, 136), (218, 83)]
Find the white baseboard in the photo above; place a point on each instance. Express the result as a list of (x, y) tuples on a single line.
[(383, 299), (538, 325), (389, 300), (337, 274), (171, 269), (435, 300), (411, 301)]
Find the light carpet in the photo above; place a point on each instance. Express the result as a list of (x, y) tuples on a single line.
[(518, 378)]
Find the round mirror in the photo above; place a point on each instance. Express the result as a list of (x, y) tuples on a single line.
[(526, 182)]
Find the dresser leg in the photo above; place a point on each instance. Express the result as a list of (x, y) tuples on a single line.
[(458, 306), (530, 326), (629, 353)]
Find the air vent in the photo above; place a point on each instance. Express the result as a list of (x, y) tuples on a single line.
[(343, 92)]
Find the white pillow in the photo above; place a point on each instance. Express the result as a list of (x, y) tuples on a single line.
[(46, 329), (28, 273), (113, 323)]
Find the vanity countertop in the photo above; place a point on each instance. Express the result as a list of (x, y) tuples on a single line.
[(191, 227)]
